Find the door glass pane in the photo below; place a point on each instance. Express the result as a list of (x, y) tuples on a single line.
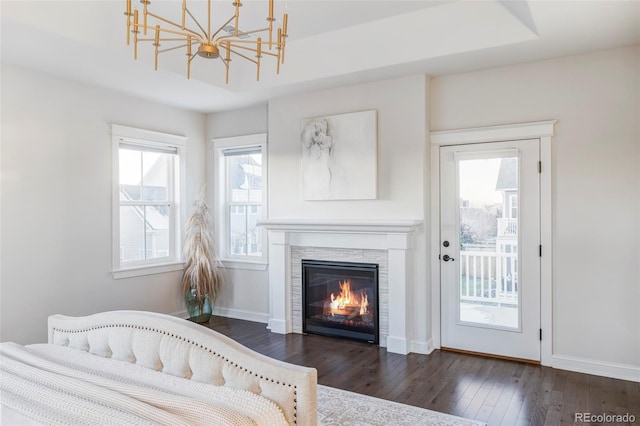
[(488, 287)]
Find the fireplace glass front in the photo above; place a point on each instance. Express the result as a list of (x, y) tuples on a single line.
[(340, 299)]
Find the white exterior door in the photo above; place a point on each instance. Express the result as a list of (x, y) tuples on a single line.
[(490, 248)]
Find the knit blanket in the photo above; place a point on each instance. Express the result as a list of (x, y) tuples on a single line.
[(54, 385)]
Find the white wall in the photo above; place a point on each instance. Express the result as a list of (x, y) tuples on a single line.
[(56, 201), (56, 188), (401, 106), (596, 184), (245, 293)]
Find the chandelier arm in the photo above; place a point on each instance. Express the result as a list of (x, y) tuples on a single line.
[(226, 65), (237, 15), (262, 52), (206, 36), (269, 53), (208, 18), (189, 63), (223, 61), (244, 41), (243, 56), (281, 45), (279, 48), (245, 33), (178, 26), (129, 14), (221, 28), (271, 19), (235, 44), (245, 48), (163, 39), (170, 31), (171, 48), (258, 56)]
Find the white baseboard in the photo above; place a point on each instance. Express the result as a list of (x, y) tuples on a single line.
[(277, 326), (597, 368), (242, 315), (397, 345), (421, 347)]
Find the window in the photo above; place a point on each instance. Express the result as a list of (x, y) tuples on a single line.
[(240, 199), (146, 201), (513, 206)]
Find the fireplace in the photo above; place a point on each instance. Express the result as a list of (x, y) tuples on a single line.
[(340, 299)]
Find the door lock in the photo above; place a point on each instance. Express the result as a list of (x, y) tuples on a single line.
[(447, 258)]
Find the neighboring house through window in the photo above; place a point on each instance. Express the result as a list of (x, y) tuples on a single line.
[(146, 201), (240, 195), (513, 206)]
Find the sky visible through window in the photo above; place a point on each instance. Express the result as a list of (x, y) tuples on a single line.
[(130, 167), (478, 182)]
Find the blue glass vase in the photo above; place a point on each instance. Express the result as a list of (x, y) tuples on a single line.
[(198, 312)]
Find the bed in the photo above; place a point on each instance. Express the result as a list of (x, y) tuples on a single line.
[(133, 367)]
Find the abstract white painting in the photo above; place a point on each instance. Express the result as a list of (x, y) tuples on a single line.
[(339, 157)]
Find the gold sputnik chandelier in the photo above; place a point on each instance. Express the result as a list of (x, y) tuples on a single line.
[(224, 43)]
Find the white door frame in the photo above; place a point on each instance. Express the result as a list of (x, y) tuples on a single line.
[(542, 130)]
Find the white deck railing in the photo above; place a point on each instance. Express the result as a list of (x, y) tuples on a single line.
[(489, 277)]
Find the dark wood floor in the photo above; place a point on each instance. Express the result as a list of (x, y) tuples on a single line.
[(495, 391)]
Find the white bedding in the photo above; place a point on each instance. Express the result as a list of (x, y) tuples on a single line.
[(52, 384)]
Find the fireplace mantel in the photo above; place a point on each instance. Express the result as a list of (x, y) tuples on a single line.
[(342, 226), (393, 236)]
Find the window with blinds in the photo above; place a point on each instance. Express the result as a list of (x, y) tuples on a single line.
[(146, 197), (240, 194), (243, 200)]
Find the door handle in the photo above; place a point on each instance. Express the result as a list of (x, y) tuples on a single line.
[(447, 258)]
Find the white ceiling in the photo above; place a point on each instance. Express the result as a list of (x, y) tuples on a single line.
[(331, 43)]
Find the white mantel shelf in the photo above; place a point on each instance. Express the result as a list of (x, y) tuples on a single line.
[(395, 237), (342, 226)]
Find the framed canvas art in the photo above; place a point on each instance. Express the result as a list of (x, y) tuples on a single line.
[(339, 157)]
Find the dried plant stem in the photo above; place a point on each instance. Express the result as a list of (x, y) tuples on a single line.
[(202, 271)]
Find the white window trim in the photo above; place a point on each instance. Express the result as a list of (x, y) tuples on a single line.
[(215, 158), (150, 138)]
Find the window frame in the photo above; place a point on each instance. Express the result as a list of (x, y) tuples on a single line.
[(141, 137), (219, 180), (513, 206)]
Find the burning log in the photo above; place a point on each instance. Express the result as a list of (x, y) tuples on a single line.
[(348, 305)]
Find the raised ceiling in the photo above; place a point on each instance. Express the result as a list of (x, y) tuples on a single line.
[(331, 43)]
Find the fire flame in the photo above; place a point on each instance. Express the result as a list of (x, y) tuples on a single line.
[(348, 300)]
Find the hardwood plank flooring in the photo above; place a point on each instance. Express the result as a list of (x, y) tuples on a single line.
[(495, 391)]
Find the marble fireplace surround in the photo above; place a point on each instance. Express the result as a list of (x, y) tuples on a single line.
[(386, 242)]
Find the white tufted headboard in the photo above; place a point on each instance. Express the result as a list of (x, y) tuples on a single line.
[(185, 349)]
